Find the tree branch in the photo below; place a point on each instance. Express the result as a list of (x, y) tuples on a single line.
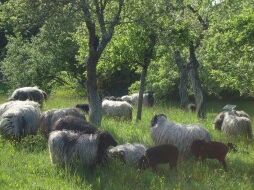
[(203, 22)]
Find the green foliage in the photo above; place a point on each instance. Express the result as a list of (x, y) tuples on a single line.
[(229, 63)]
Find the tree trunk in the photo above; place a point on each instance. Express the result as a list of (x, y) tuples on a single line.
[(93, 96), (195, 82), (183, 83), (141, 91)]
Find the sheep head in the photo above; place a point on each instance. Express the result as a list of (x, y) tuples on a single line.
[(156, 118)]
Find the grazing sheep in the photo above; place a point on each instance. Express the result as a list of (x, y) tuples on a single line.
[(220, 118), (191, 107), (148, 99), (128, 153), (19, 119), (49, 118), (117, 109), (83, 107), (235, 125), (214, 150), (161, 154), (75, 124), (68, 147), (168, 132), (29, 93), (7, 105)]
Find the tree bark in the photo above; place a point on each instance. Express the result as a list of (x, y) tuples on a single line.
[(195, 82), (141, 91), (183, 83), (95, 113)]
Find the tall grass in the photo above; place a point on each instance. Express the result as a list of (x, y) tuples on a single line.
[(26, 165)]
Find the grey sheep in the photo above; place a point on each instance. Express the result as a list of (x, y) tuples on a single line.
[(164, 131), (236, 125), (220, 117), (120, 109), (19, 119), (49, 118), (29, 93), (128, 153), (68, 148)]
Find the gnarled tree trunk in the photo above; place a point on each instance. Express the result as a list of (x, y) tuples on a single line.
[(195, 82), (183, 83)]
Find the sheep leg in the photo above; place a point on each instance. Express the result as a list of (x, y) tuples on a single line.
[(223, 162)]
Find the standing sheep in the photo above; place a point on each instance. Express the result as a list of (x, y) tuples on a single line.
[(68, 147), (182, 136), (121, 109), (19, 119), (49, 118), (128, 153), (235, 125), (220, 117), (214, 150), (75, 124), (29, 93), (161, 154)]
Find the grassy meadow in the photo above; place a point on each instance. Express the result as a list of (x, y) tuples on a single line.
[(27, 165)]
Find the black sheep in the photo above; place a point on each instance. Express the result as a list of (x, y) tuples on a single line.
[(214, 150), (159, 155), (83, 107), (75, 124)]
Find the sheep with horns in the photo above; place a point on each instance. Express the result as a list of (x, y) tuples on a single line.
[(164, 131)]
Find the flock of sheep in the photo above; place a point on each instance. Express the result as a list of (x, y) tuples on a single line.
[(73, 140)]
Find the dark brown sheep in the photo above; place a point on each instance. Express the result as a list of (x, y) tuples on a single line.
[(159, 155), (214, 150)]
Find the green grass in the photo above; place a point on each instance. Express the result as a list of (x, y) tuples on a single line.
[(26, 165)]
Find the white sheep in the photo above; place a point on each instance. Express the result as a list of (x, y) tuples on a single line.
[(121, 109), (19, 119), (128, 153), (236, 125), (5, 106), (70, 148), (49, 118), (29, 93), (148, 99), (180, 135)]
